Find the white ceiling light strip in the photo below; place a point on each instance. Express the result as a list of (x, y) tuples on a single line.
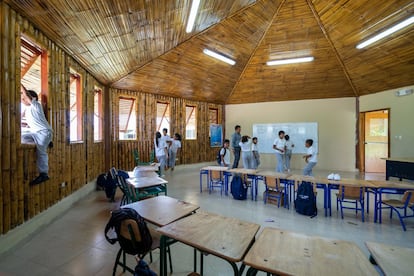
[(219, 56), (192, 17), (289, 61)]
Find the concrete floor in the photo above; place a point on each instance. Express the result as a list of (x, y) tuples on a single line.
[(75, 244)]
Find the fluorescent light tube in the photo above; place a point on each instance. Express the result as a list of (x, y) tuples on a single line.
[(219, 56), (387, 32), (192, 17), (289, 61)]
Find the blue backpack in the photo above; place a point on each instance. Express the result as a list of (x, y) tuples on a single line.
[(305, 202), (238, 188)]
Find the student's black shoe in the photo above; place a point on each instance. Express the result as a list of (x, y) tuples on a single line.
[(41, 178), (50, 145)]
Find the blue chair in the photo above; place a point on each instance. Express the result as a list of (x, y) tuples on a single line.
[(216, 180), (407, 202), (350, 195), (273, 190)]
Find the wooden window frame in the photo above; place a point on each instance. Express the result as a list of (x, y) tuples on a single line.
[(132, 109), (187, 120), (77, 78), (168, 119), (98, 113)]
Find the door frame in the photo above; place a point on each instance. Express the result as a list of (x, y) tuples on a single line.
[(361, 137)]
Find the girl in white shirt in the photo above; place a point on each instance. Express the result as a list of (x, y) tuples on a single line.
[(160, 152), (246, 149), (288, 153), (255, 152), (173, 150)]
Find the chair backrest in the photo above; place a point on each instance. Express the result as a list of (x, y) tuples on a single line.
[(114, 173), (216, 175), (351, 192), (272, 182), (126, 189)]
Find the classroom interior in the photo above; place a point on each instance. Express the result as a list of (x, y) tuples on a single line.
[(111, 74)]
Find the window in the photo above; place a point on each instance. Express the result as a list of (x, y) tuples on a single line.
[(75, 106), (97, 115), (163, 116), (33, 63), (213, 115), (127, 119), (191, 123)]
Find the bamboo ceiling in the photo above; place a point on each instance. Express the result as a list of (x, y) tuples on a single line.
[(142, 45)]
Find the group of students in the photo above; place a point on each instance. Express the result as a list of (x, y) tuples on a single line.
[(247, 148), (166, 149)]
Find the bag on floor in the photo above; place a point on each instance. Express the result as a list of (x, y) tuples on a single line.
[(142, 269), (238, 188), (305, 202)]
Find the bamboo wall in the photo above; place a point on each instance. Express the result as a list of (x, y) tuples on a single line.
[(73, 164)]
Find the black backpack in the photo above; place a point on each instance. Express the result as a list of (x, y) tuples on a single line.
[(238, 188), (305, 202), (141, 247), (108, 184), (219, 155)]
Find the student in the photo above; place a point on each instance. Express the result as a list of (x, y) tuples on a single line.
[(175, 145), (225, 154), (310, 158), (246, 149), (40, 133), (279, 145), (235, 140), (165, 135), (255, 152), (288, 153), (160, 152)]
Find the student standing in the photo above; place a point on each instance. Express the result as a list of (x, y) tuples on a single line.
[(225, 154), (40, 133), (288, 153), (310, 158), (279, 145), (160, 152), (173, 150), (255, 152), (165, 135), (235, 140), (246, 149)]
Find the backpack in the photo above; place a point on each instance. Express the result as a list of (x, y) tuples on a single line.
[(105, 182), (305, 202), (219, 155), (238, 188), (117, 216), (100, 182)]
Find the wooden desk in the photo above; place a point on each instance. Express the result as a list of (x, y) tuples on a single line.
[(224, 237), (288, 253), (145, 182), (162, 210), (393, 260), (399, 167)]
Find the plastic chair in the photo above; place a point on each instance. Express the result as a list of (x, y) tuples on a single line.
[(215, 179), (400, 206), (273, 190), (351, 195), (130, 233)]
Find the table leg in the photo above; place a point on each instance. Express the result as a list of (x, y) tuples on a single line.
[(163, 257)]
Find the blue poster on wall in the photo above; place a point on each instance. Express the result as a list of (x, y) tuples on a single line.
[(216, 135)]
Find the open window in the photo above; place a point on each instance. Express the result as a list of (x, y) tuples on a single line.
[(127, 119), (190, 122), (75, 107), (97, 115), (33, 74), (163, 115)]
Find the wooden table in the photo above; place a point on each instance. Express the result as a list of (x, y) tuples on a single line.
[(399, 167), (283, 252), (393, 260), (224, 237), (147, 170), (162, 210), (143, 187)]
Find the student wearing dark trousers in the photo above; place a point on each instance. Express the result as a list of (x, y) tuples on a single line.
[(235, 140)]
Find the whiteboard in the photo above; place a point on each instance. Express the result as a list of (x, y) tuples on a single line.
[(298, 133)]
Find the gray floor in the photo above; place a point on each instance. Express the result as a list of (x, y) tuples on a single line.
[(75, 244)]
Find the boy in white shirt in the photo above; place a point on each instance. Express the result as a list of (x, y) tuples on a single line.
[(279, 145), (310, 158), (225, 154)]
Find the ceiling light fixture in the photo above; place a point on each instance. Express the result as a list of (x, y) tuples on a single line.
[(219, 56), (192, 17), (289, 61), (387, 32)]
